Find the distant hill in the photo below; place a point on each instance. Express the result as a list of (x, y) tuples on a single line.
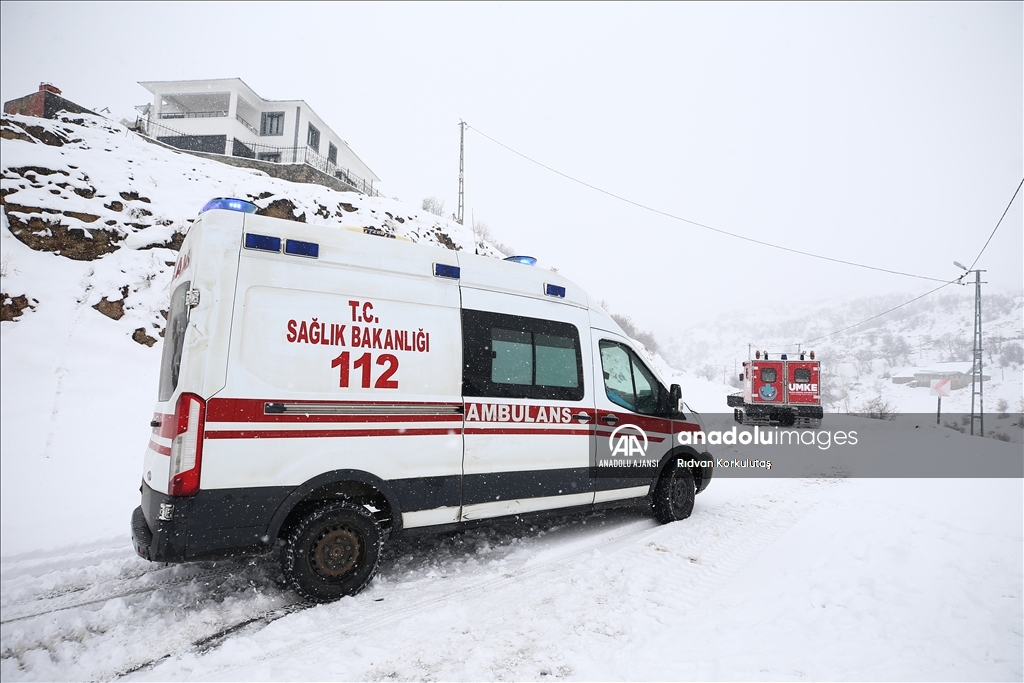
[(858, 364)]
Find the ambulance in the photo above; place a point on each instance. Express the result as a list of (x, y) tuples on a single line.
[(322, 391), (780, 391)]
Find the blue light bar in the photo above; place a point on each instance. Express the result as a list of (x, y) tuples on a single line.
[(554, 290), (783, 356), (297, 248), (262, 242), (525, 260), (441, 270), (229, 204)]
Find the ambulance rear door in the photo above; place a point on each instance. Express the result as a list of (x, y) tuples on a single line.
[(802, 382), (767, 379)]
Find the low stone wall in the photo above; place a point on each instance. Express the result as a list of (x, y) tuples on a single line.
[(296, 173)]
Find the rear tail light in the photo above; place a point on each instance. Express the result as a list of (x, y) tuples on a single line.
[(187, 447)]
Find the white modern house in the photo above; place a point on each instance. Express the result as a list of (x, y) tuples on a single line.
[(224, 116)]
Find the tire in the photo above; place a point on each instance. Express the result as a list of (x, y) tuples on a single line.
[(673, 495), (333, 552)]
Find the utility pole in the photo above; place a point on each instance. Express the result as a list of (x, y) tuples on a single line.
[(977, 376), (462, 157)]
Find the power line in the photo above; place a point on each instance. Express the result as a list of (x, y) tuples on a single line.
[(997, 224), (702, 225), (866, 320), (956, 281)]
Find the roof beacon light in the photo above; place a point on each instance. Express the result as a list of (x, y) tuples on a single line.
[(443, 270), (554, 290), (525, 260), (298, 248), (757, 354), (812, 355), (262, 242), (784, 356), (229, 204)]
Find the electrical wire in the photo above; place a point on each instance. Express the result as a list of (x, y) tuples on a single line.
[(944, 284), (866, 320), (702, 225), (997, 225), (956, 281)]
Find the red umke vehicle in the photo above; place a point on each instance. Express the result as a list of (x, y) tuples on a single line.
[(780, 391)]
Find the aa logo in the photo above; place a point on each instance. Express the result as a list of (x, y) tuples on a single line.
[(625, 441)]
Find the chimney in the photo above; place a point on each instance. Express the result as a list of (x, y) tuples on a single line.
[(49, 87)]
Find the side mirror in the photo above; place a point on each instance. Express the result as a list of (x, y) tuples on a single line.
[(675, 397), (741, 376)]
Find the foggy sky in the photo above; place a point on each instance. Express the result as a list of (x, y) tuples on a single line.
[(889, 134)]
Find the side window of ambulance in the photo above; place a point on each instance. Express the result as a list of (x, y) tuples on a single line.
[(627, 381), (511, 357), (517, 357), (174, 341)]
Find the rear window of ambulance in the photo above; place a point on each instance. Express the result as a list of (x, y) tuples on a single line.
[(174, 342)]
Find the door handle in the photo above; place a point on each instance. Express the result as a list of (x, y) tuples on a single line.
[(582, 418), (610, 419)]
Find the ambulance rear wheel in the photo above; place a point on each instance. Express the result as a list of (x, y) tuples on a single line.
[(673, 495), (333, 552)]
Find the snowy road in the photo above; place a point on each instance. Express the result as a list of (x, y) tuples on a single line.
[(770, 579)]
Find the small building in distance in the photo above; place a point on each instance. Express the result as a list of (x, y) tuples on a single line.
[(959, 374), (44, 104), (226, 117)]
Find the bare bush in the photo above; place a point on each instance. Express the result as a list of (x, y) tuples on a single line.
[(433, 205), (895, 349), (484, 232), (1003, 408), (629, 327), (958, 346), (878, 408), (708, 372), (1013, 354), (865, 359)]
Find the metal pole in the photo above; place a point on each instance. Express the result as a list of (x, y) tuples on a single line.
[(462, 155), (938, 412), (977, 376)]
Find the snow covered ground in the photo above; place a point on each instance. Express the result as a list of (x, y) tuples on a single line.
[(770, 579), (774, 579)]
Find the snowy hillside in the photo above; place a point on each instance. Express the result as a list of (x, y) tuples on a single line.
[(858, 365), (86, 188)]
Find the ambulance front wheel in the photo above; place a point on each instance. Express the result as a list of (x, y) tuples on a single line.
[(674, 494), (333, 552)]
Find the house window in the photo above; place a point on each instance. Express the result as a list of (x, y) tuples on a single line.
[(332, 153), (272, 123), (313, 138)]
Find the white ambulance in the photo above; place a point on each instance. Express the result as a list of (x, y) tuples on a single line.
[(324, 390)]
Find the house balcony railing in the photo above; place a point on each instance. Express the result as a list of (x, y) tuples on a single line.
[(247, 124), (226, 146), (192, 114)]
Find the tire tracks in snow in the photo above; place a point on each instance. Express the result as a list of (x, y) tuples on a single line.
[(57, 600), (100, 612), (719, 543)]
